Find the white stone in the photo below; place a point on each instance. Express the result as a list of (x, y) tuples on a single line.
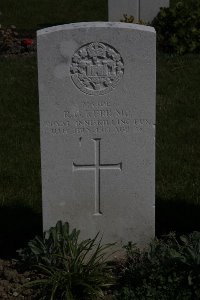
[(145, 10), (97, 121)]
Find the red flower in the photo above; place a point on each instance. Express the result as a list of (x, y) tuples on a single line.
[(26, 42)]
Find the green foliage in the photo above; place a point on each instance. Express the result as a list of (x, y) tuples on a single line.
[(168, 269), (54, 241), (178, 27), (69, 269)]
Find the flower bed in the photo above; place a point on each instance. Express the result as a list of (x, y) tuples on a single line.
[(11, 43)]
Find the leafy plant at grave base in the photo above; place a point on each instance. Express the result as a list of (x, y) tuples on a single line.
[(131, 19), (69, 269), (9, 42), (178, 27), (168, 269)]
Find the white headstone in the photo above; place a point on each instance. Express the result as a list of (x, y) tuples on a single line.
[(145, 10), (97, 120)]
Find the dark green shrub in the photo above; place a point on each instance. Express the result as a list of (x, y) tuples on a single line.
[(69, 269), (168, 269), (178, 27)]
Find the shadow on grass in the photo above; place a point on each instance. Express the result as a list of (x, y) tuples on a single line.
[(20, 224), (179, 216), (17, 226)]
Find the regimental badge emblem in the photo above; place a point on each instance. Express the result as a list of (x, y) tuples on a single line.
[(96, 68)]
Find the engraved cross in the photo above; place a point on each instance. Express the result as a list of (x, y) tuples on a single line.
[(97, 167)]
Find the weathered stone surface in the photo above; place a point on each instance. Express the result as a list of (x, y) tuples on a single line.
[(145, 10), (97, 119)]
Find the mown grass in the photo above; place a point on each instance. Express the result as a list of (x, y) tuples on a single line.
[(178, 132), (19, 133), (20, 180), (178, 146), (35, 14)]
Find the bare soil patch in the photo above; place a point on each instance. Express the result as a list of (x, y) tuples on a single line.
[(12, 280)]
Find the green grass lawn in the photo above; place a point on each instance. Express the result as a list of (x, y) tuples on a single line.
[(178, 130), (33, 14), (178, 143), (19, 133)]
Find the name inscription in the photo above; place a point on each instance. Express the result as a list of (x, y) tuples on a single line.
[(96, 118)]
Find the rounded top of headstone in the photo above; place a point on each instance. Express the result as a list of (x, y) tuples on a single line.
[(117, 25)]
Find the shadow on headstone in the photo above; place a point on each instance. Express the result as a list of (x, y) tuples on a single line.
[(176, 215), (17, 226)]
